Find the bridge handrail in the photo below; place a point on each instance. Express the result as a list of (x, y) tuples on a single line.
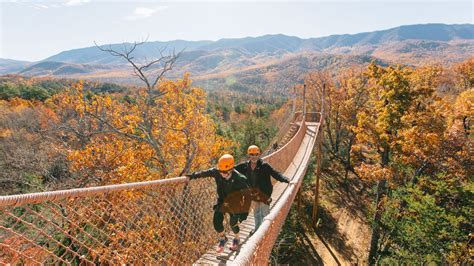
[(258, 248), (15, 200)]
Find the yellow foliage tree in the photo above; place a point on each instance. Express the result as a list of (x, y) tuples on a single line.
[(420, 137), (465, 74), (344, 96), (378, 124), (163, 127), (117, 144)]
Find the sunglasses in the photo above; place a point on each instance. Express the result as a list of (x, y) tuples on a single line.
[(253, 154)]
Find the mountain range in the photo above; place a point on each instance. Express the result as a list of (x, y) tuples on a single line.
[(265, 61)]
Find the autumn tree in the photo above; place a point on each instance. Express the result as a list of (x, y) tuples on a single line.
[(408, 131), (418, 141), (465, 74), (161, 130), (427, 218), (423, 124), (390, 97), (31, 159), (344, 95)]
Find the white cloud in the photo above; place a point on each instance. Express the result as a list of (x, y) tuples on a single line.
[(39, 6), (144, 12), (76, 2), (48, 4)]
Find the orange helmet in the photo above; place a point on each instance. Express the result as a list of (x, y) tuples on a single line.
[(225, 163), (253, 149)]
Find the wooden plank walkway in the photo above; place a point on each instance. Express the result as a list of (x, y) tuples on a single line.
[(213, 258)]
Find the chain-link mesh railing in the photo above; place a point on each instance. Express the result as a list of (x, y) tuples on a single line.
[(148, 222)]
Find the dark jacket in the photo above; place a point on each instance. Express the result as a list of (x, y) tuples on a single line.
[(263, 185), (233, 195)]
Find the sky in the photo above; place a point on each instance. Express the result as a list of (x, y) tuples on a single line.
[(34, 30)]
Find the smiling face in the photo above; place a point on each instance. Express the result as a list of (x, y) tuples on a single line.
[(225, 165), (253, 157), (226, 174), (253, 152)]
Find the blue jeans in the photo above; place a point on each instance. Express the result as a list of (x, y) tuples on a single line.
[(260, 211)]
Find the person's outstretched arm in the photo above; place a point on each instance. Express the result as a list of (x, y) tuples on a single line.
[(199, 174), (277, 175)]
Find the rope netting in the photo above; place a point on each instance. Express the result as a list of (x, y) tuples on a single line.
[(162, 221), (157, 222)]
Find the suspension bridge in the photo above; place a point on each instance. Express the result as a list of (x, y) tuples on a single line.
[(165, 221)]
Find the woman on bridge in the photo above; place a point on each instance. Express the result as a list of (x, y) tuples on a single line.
[(233, 197), (258, 174)]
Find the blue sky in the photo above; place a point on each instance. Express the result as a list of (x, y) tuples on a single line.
[(33, 30)]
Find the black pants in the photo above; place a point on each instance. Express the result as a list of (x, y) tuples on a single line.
[(235, 219)]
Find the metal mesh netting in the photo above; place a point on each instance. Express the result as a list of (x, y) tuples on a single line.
[(168, 222)]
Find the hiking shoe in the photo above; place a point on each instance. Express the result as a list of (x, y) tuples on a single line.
[(221, 245), (235, 244)]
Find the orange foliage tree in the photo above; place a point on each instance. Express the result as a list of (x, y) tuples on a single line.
[(465, 74), (30, 157), (116, 142), (344, 96), (406, 131), (160, 131), (390, 97)]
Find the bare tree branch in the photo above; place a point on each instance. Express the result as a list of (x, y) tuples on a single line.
[(151, 78)]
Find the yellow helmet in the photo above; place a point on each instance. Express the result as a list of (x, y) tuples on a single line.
[(225, 163), (253, 149)]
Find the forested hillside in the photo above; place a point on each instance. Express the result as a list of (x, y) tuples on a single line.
[(398, 151)]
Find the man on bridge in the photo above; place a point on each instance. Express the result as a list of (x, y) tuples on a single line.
[(258, 174), (233, 197)]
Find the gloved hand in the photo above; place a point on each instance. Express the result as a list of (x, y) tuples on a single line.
[(190, 176)]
